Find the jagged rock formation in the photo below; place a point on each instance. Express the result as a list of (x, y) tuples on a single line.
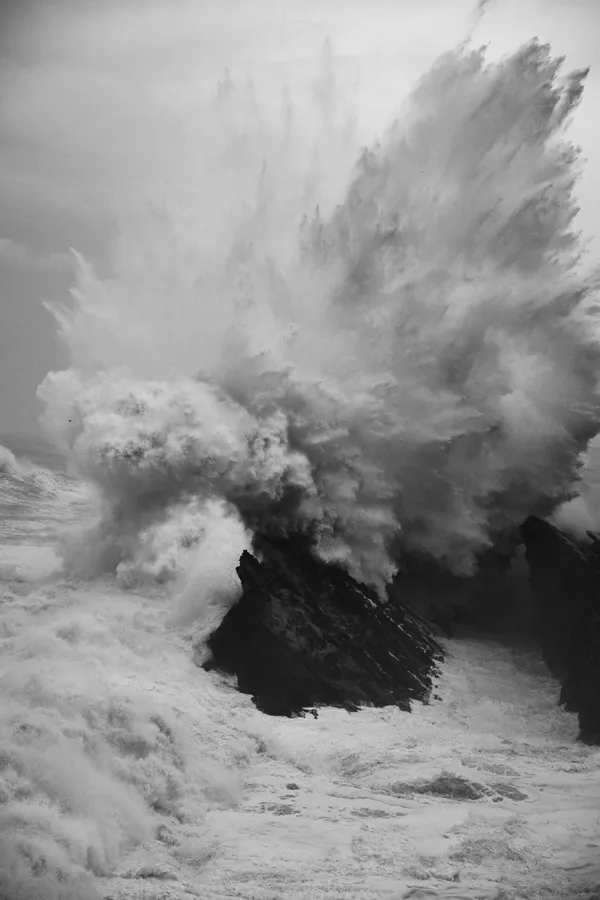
[(565, 579), (305, 634)]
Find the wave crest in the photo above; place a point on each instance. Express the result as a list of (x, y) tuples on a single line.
[(413, 372)]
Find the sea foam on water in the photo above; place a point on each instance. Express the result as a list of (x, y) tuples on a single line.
[(392, 351)]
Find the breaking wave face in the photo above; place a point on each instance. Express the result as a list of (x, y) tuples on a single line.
[(8, 462), (391, 351)]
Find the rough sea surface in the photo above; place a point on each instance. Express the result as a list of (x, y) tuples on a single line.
[(391, 348), (128, 772)]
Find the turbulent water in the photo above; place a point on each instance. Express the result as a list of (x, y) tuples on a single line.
[(410, 366), (127, 772), (393, 350), (36, 495)]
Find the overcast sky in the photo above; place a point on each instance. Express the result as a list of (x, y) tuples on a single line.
[(93, 94)]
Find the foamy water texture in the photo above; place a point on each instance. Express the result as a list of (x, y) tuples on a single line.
[(126, 773), (411, 365), (391, 350)]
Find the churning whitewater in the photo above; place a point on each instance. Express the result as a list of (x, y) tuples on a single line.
[(408, 365), (392, 351)]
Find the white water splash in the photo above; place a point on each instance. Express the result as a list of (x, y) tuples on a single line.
[(404, 364)]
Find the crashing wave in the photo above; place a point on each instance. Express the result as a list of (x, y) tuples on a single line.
[(411, 372)]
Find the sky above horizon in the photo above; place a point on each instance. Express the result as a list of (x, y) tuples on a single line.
[(99, 114)]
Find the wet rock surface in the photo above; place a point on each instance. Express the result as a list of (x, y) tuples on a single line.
[(450, 786), (305, 634), (565, 579)]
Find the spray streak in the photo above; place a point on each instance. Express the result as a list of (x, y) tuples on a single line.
[(412, 370)]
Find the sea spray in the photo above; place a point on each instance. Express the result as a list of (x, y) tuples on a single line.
[(8, 462), (411, 368), (400, 374), (106, 741)]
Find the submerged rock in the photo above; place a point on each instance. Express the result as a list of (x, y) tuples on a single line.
[(306, 634), (565, 579)]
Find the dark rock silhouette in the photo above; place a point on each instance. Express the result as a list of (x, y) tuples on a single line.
[(306, 634), (453, 604), (565, 579)]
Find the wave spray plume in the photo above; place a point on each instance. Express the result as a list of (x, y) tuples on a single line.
[(394, 358)]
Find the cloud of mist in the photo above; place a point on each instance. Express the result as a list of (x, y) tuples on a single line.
[(103, 103), (396, 357), (8, 462)]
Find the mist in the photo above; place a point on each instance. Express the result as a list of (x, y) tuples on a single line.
[(391, 349)]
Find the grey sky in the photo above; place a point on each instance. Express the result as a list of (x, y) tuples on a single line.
[(98, 102)]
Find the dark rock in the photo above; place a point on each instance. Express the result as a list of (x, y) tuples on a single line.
[(448, 785), (483, 602), (306, 634), (509, 791), (565, 579)]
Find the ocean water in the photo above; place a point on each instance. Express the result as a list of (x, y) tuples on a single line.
[(128, 772), (37, 496), (392, 349)]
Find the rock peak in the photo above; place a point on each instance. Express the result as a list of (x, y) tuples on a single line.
[(306, 634)]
